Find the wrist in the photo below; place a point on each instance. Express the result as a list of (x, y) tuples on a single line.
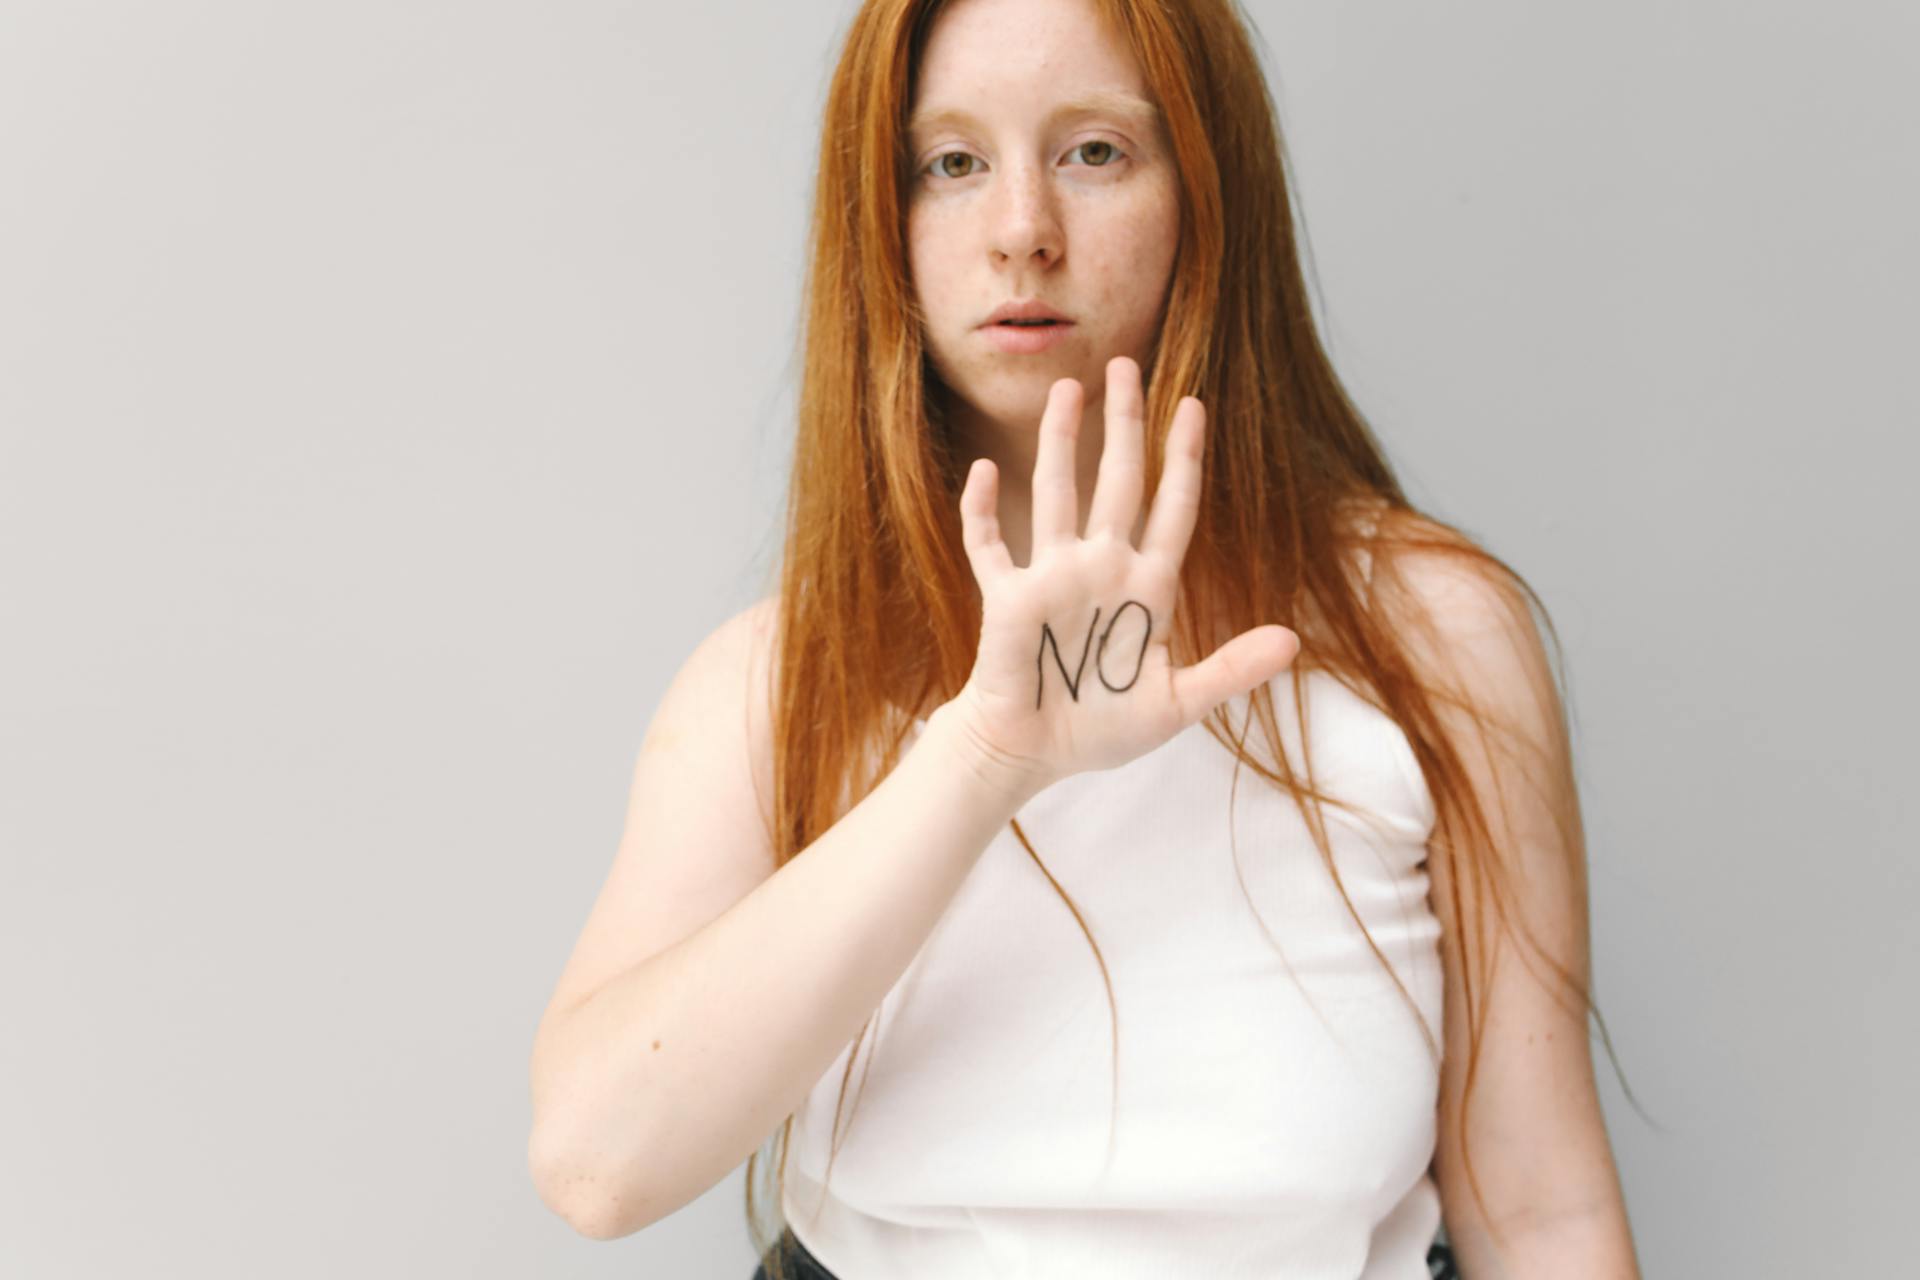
[(1009, 780)]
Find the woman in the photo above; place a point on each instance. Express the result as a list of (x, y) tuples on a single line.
[(1053, 272)]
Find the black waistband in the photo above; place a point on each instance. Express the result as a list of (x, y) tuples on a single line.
[(800, 1265)]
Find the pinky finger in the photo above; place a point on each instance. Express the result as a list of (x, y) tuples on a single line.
[(980, 522)]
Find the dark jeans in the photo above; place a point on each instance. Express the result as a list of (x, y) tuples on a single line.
[(802, 1265)]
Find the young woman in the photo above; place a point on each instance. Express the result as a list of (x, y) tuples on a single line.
[(1001, 705)]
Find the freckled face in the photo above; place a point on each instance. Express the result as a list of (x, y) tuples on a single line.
[(1034, 181)]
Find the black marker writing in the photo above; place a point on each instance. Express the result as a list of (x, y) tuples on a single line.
[(1139, 659), (1099, 662)]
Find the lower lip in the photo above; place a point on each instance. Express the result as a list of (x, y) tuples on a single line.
[(1025, 340)]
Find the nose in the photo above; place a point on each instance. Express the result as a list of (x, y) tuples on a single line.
[(1026, 224)]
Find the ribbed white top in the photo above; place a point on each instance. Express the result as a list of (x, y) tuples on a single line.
[(1270, 1124)]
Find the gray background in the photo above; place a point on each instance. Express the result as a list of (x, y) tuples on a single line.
[(394, 394)]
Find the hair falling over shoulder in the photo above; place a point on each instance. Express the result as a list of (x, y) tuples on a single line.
[(1297, 487)]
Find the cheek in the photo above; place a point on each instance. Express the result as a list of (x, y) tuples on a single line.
[(1136, 252), (1159, 229), (927, 254), (930, 282)]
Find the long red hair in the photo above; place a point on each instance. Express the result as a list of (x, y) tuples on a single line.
[(878, 610)]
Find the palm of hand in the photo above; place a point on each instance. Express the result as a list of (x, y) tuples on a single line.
[(1074, 668)]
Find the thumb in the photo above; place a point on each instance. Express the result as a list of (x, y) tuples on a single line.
[(1243, 663)]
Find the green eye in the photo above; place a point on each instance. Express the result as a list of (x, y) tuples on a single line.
[(938, 165), (940, 162), (1111, 149)]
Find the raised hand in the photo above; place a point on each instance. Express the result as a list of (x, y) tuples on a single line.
[(1074, 669)]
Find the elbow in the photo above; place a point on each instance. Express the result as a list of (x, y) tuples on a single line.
[(585, 1198), (567, 1159)]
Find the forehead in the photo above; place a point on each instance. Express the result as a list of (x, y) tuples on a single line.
[(1022, 56)]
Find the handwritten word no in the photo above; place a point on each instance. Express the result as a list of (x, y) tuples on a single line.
[(1099, 655)]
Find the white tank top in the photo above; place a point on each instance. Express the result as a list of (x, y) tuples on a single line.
[(1252, 1139)]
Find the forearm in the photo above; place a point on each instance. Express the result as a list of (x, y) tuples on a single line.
[(653, 1089), (1592, 1244)]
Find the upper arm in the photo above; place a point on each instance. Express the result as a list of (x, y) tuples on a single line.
[(698, 822), (1535, 1128)]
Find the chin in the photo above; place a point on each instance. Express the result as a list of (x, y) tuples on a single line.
[(1011, 391)]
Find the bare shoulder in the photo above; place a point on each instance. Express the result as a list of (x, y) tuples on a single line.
[(722, 685), (698, 830), (716, 714), (1435, 578), (1467, 622)]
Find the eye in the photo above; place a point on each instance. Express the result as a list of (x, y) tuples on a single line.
[(1107, 151), (939, 162), (1111, 151)]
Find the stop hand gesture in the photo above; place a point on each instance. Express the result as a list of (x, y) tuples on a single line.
[(1074, 669)]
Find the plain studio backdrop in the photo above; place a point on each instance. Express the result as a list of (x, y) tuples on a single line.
[(393, 395)]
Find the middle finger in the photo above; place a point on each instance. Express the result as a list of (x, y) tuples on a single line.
[(1056, 500), (1116, 494)]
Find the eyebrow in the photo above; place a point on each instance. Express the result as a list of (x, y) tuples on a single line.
[(1104, 101)]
